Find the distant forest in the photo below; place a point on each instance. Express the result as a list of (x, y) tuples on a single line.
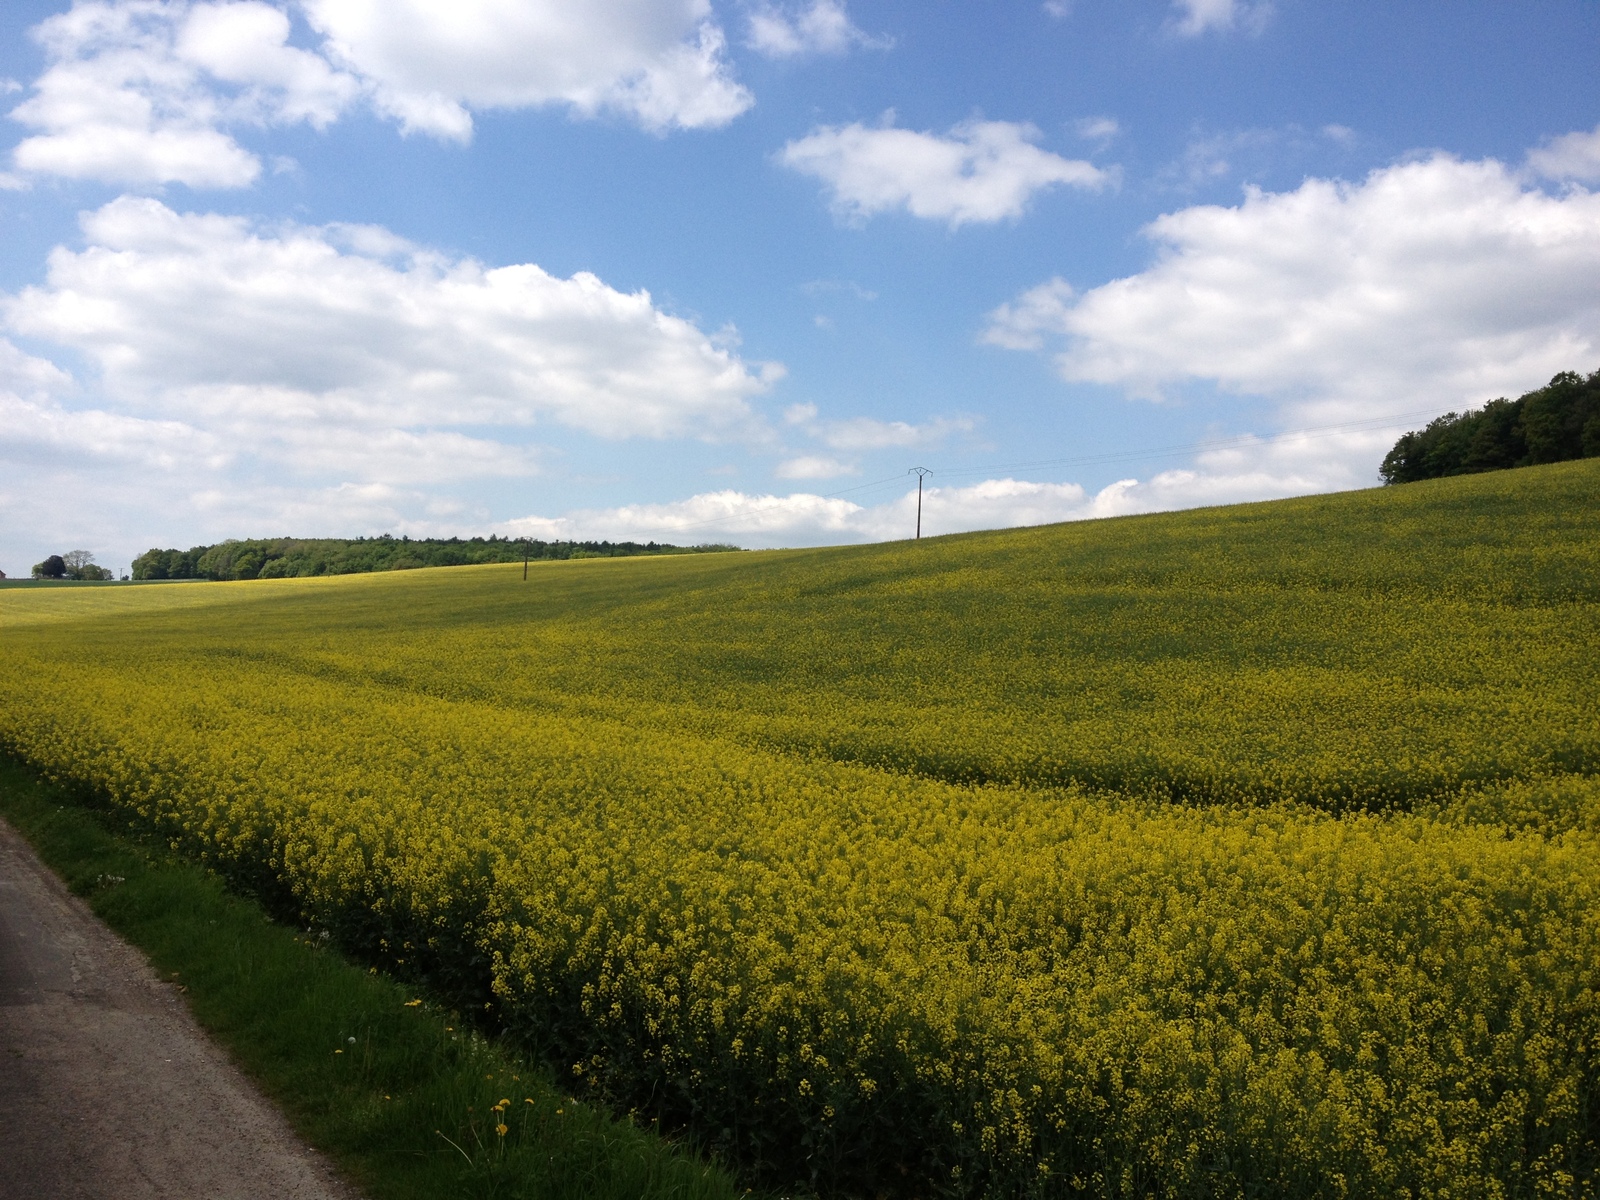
[(276, 558), (1559, 421)]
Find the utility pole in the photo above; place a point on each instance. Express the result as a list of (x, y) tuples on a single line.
[(525, 549), (919, 472)]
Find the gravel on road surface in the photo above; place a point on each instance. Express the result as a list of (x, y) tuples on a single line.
[(108, 1088)]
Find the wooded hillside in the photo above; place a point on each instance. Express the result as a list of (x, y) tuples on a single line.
[(1555, 423)]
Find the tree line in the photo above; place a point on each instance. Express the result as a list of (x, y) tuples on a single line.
[(74, 564), (1555, 423), (275, 558)]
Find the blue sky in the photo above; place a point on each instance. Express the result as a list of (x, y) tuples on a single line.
[(724, 271)]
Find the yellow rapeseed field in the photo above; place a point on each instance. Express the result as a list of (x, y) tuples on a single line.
[(1243, 852)]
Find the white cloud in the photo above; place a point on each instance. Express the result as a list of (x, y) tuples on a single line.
[(24, 375), (1436, 282), (37, 432), (981, 171), (246, 43), (1097, 129), (869, 433), (812, 466), (823, 27), (866, 433), (430, 63), (346, 353), (1570, 156), (145, 92), (139, 91), (1194, 17), (326, 380), (1026, 322)]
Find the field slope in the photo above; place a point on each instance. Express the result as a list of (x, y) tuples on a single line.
[(1247, 851)]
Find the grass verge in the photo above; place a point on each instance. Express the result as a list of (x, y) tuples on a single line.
[(394, 1090)]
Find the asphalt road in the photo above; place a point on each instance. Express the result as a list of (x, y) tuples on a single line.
[(108, 1088)]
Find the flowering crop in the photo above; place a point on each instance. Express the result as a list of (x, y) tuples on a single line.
[(864, 865)]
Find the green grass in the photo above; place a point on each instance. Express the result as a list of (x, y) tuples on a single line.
[(405, 1108)]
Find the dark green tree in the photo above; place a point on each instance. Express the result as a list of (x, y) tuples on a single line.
[(1555, 423)]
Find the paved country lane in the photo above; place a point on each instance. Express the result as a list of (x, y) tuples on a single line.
[(108, 1088)]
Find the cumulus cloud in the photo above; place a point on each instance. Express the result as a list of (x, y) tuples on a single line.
[(37, 432), (336, 356), (1570, 156), (1037, 314), (981, 171), (1430, 285), (1430, 282), (36, 427), (1194, 17), (319, 379), (140, 91), (659, 62), (208, 317), (72, 476), (24, 374), (823, 27), (145, 92)]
